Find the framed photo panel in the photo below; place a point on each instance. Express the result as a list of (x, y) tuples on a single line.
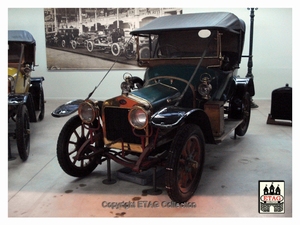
[(93, 38)]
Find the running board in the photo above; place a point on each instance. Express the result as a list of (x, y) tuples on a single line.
[(229, 126)]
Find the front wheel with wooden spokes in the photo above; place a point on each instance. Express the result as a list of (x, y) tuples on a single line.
[(185, 163), (74, 158)]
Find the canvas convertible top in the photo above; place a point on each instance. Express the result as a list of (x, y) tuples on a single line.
[(212, 20), (20, 36)]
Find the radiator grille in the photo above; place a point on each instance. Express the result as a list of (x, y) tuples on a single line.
[(117, 126)]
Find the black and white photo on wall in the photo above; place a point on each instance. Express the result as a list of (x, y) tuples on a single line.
[(93, 38)]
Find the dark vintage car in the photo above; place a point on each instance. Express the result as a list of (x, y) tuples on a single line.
[(65, 36), (82, 40), (25, 93), (190, 96), (51, 39)]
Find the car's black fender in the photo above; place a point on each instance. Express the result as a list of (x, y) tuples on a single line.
[(172, 117), (244, 85), (36, 90), (70, 107), (67, 108)]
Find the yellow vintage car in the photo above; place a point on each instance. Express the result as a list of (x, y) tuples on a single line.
[(25, 93)]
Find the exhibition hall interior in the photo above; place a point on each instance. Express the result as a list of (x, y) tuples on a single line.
[(214, 146)]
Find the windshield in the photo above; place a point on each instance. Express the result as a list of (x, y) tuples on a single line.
[(174, 44)]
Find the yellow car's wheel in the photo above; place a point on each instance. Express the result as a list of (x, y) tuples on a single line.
[(23, 132)]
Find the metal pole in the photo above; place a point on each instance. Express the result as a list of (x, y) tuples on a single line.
[(250, 60), (250, 57), (108, 180)]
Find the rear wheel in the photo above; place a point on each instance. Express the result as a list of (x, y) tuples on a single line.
[(63, 43), (23, 132), (73, 136), (74, 44), (185, 163), (246, 108), (85, 43), (89, 46), (129, 54)]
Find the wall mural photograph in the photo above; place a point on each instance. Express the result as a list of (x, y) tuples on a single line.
[(94, 38)]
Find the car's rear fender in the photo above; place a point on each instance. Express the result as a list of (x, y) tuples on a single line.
[(244, 85), (36, 90), (173, 117)]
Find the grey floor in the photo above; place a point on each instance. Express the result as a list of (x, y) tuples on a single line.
[(228, 187)]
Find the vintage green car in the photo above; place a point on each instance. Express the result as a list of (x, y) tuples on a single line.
[(191, 95), (25, 93)]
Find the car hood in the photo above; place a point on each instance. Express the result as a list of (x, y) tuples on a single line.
[(157, 95)]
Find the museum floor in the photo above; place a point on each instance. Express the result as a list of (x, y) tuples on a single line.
[(228, 187)]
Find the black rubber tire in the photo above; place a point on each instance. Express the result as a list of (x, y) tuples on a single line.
[(23, 132), (130, 54), (31, 108), (246, 107), (42, 104), (185, 163), (70, 139)]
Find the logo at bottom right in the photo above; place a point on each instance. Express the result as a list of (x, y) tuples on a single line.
[(271, 196)]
